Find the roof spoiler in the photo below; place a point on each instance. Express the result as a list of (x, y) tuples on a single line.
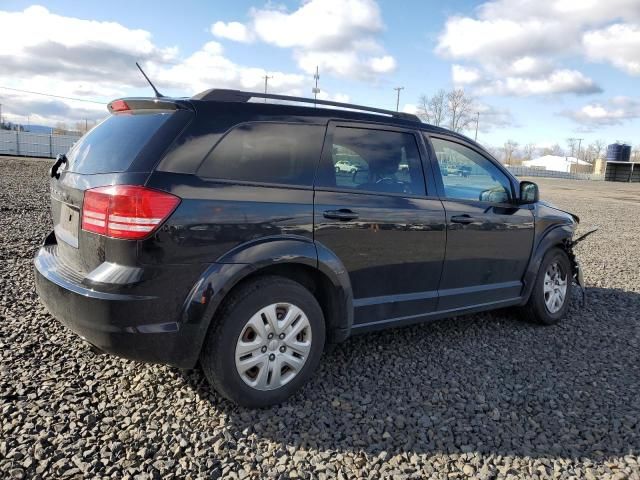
[(224, 95)]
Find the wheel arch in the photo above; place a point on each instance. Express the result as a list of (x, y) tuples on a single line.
[(298, 259), (557, 236)]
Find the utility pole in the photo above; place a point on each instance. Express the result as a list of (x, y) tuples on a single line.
[(398, 89), (572, 140), (477, 121), (266, 80), (315, 89), (85, 126)]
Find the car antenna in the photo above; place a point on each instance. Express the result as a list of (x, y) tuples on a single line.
[(158, 94)]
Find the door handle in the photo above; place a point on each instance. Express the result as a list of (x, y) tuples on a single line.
[(343, 214), (465, 219)]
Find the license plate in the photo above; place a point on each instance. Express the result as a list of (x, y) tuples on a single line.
[(67, 228)]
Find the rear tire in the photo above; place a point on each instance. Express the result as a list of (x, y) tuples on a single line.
[(265, 343), (551, 295)]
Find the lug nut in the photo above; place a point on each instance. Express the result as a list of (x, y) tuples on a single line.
[(281, 336), (270, 336), (283, 349), (272, 357), (263, 349)]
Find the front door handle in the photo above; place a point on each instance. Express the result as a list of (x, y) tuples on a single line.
[(343, 214), (465, 219)]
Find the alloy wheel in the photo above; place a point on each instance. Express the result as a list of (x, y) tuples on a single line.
[(555, 287)]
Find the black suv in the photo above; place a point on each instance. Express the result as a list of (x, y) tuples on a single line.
[(222, 230)]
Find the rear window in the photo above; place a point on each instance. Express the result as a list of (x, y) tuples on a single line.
[(115, 143), (266, 153)]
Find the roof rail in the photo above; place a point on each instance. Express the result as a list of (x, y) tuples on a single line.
[(225, 95)]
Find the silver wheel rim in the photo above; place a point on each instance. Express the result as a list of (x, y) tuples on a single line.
[(555, 287), (273, 346)]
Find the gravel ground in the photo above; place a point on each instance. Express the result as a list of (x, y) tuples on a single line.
[(482, 396)]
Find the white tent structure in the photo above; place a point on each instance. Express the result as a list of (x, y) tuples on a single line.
[(554, 162)]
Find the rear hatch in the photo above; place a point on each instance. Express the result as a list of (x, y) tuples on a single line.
[(122, 150)]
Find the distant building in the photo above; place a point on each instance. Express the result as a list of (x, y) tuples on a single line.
[(559, 164)]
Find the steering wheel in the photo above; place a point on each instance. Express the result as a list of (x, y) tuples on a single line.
[(391, 181)]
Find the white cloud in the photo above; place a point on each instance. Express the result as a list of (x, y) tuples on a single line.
[(492, 117), (318, 24), (615, 112), (208, 68), (520, 45), (337, 97), (410, 108), (557, 82), (617, 44), (462, 75), (339, 36), (383, 64), (235, 31), (96, 60)]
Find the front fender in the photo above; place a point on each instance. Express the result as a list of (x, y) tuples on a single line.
[(219, 278), (559, 235)]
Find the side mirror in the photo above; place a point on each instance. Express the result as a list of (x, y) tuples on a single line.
[(494, 195), (529, 192)]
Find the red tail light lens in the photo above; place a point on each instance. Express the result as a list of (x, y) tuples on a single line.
[(126, 211), (119, 106)]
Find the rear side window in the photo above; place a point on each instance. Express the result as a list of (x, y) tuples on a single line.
[(113, 145), (375, 161), (266, 153)]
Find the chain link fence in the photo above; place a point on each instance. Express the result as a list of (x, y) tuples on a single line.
[(35, 144)]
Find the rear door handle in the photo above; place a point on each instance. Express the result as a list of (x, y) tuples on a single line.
[(343, 214), (465, 219)]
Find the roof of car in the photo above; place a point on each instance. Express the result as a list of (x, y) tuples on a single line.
[(300, 107), (295, 107)]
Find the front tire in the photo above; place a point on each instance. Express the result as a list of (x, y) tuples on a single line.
[(551, 293), (266, 342)]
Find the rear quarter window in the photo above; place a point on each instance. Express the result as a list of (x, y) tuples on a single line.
[(113, 145), (266, 153)]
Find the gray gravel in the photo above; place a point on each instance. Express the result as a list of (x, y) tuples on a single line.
[(483, 396)]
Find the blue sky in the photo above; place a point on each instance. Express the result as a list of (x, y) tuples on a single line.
[(539, 71)]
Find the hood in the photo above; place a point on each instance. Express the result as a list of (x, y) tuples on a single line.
[(551, 205)]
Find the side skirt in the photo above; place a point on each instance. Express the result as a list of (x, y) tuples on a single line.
[(428, 317)]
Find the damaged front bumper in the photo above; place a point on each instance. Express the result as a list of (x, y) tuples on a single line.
[(575, 264)]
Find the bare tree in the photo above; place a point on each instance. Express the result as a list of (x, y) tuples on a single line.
[(572, 143), (598, 148), (635, 154), (424, 112), (556, 150), (509, 148), (438, 105), (529, 151), (432, 109), (61, 128), (459, 110), (590, 154)]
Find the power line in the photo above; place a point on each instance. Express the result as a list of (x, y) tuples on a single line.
[(53, 96)]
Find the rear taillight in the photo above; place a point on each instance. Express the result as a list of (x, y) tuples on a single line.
[(126, 211)]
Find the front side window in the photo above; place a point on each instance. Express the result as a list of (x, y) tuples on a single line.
[(375, 160), (467, 175), (266, 153)]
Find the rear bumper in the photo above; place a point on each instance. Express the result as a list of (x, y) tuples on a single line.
[(122, 321)]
